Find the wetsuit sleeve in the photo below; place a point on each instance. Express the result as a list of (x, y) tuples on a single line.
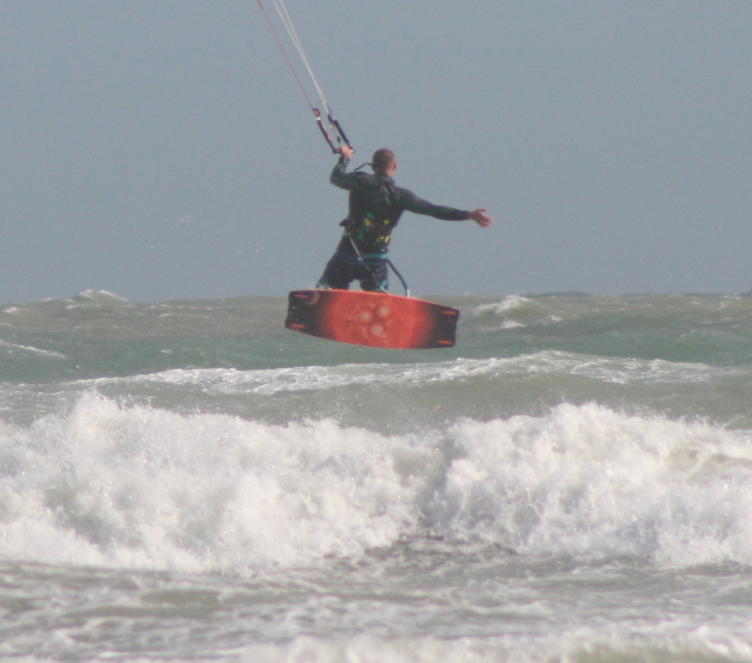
[(340, 177), (410, 202)]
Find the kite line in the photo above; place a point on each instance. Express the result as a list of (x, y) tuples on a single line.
[(335, 135)]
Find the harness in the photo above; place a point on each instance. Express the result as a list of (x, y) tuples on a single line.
[(373, 215)]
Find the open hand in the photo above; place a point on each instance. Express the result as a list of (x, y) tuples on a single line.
[(480, 217)]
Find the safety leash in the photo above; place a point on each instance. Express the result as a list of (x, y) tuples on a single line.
[(373, 276)]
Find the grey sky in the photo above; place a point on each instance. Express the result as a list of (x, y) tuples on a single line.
[(162, 149)]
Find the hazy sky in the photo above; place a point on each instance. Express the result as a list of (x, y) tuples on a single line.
[(161, 149)]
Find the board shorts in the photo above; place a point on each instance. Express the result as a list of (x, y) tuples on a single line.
[(371, 270)]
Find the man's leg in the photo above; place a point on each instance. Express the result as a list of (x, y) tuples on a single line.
[(375, 273), (338, 273)]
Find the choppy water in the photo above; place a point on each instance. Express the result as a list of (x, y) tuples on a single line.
[(190, 481)]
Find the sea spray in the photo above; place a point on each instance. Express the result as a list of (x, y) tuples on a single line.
[(587, 481), (148, 488), (143, 487)]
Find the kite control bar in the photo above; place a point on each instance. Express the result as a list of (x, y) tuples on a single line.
[(338, 128), (335, 125)]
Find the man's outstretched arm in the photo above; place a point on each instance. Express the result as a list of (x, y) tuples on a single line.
[(413, 203)]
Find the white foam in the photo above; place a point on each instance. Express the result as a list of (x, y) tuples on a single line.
[(147, 488), (30, 349), (614, 370), (577, 643), (509, 303), (589, 481), (100, 296)]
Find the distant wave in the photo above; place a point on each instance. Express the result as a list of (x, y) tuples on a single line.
[(616, 370), (98, 296), (28, 348)]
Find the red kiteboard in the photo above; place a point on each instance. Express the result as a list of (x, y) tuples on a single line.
[(377, 319)]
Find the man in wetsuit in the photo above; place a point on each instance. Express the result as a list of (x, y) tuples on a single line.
[(376, 205)]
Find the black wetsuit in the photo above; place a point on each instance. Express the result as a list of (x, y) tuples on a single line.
[(376, 205)]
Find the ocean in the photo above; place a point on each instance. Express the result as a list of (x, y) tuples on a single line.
[(189, 481)]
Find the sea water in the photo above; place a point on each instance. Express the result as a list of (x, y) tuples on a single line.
[(188, 480)]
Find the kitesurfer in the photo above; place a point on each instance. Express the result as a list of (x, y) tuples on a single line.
[(376, 205)]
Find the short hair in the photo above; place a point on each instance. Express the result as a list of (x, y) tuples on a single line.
[(382, 160)]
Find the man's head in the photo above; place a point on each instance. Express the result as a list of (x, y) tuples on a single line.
[(383, 162)]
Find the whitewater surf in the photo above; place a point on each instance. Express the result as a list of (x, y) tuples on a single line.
[(184, 480)]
